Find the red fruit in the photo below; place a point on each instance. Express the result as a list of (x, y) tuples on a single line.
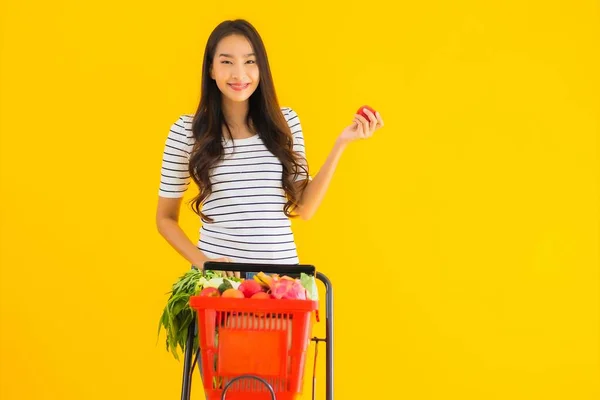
[(210, 292), (261, 295), (361, 112), (249, 287), (233, 293)]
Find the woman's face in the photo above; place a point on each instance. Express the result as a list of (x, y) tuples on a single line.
[(234, 68)]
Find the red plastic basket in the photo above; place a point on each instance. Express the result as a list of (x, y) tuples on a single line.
[(267, 338)]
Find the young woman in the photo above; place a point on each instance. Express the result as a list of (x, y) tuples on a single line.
[(246, 155)]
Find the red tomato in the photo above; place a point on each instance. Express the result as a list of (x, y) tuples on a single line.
[(361, 112)]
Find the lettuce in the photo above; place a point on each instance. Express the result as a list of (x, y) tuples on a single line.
[(310, 284)]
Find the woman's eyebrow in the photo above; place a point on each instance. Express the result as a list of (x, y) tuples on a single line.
[(230, 56)]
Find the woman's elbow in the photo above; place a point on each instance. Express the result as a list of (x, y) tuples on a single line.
[(162, 223), (305, 214), (159, 224)]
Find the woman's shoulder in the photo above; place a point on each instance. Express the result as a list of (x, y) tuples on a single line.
[(182, 127), (186, 119), (291, 116), (288, 112), (183, 122)]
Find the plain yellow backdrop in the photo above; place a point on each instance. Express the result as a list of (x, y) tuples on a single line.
[(462, 240)]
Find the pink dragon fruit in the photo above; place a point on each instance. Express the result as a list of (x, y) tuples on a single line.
[(288, 288)]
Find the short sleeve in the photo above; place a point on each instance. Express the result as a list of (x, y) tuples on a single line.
[(299, 147), (174, 173)]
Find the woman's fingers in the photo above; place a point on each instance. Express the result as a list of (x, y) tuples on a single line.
[(365, 125), (357, 126), (379, 120), (372, 122), (224, 274)]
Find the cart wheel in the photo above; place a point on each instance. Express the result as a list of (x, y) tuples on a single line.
[(264, 382)]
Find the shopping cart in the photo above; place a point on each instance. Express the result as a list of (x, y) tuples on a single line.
[(254, 349)]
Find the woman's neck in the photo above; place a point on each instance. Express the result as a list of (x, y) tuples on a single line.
[(235, 115)]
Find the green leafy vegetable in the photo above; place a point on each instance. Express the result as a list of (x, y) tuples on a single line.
[(310, 284), (177, 315)]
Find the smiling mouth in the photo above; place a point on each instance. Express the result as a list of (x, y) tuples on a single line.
[(238, 87)]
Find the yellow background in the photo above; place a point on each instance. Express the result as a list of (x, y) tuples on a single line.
[(470, 220)]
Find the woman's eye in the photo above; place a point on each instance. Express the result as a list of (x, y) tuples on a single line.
[(229, 62)]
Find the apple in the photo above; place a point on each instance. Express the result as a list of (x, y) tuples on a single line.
[(250, 287), (210, 292), (361, 112)]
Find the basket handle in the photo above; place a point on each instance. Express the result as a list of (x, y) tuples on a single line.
[(295, 269)]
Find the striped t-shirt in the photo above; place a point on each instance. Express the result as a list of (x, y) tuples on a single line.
[(247, 199)]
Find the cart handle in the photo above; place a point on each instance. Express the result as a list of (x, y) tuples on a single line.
[(266, 268)]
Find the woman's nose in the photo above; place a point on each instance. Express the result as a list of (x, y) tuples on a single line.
[(238, 72)]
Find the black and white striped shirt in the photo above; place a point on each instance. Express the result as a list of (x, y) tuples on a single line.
[(247, 197)]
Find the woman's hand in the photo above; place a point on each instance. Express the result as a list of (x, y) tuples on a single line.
[(224, 273), (361, 128)]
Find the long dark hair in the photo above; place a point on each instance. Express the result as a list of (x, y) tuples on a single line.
[(264, 116)]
